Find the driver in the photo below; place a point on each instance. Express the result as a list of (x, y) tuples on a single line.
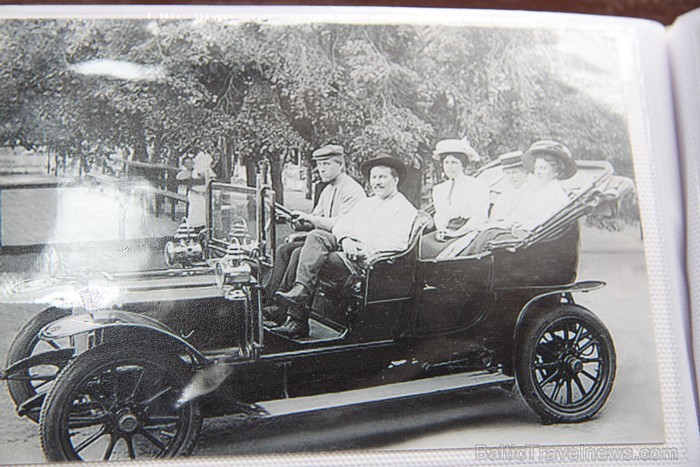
[(380, 223), (337, 198)]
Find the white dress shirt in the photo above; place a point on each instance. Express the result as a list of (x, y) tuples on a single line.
[(382, 225)]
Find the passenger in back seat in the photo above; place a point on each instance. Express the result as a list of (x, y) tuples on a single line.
[(515, 174), (548, 162), (461, 202)]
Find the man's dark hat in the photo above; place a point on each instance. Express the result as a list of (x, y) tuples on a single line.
[(567, 164), (384, 159), (327, 151)]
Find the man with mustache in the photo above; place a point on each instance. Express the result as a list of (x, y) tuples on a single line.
[(378, 224)]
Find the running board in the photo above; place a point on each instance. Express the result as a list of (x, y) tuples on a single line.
[(434, 385)]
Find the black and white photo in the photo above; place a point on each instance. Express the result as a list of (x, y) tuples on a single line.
[(262, 233)]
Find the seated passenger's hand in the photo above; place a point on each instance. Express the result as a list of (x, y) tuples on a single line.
[(302, 221), (300, 216), (441, 236), (353, 249)]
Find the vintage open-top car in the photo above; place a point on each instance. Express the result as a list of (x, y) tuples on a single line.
[(131, 371)]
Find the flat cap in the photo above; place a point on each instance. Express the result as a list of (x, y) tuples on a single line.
[(329, 150)]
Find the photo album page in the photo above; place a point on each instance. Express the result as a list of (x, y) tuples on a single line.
[(342, 236)]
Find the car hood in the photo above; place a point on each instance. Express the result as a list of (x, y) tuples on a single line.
[(90, 321)]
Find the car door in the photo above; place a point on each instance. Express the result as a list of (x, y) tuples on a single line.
[(449, 295)]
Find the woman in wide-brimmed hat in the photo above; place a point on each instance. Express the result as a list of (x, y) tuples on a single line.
[(548, 162), (461, 202)]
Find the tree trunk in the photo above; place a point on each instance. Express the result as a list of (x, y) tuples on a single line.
[(276, 165), (234, 158), (309, 180), (140, 146), (251, 171), (226, 158), (81, 163)]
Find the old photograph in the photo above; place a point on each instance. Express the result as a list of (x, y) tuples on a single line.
[(239, 235)]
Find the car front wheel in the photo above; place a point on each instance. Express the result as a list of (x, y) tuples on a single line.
[(116, 403), (565, 364), (36, 379)]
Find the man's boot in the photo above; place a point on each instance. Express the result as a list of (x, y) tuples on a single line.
[(274, 313), (299, 295), (293, 328)]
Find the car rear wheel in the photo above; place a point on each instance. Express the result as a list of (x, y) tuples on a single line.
[(36, 379), (116, 403), (565, 364)]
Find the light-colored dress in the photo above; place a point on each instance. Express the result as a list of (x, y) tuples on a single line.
[(534, 208), (465, 197), (538, 206), (506, 204)]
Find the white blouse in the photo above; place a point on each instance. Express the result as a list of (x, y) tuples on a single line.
[(469, 199)]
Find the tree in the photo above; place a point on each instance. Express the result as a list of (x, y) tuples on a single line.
[(247, 92)]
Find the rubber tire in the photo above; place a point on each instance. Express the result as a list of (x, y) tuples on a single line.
[(81, 367), (23, 346), (524, 355)]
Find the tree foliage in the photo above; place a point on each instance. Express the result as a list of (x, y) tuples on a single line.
[(244, 92)]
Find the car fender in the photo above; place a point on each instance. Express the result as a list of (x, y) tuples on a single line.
[(531, 308), (58, 357), (120, 326)]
